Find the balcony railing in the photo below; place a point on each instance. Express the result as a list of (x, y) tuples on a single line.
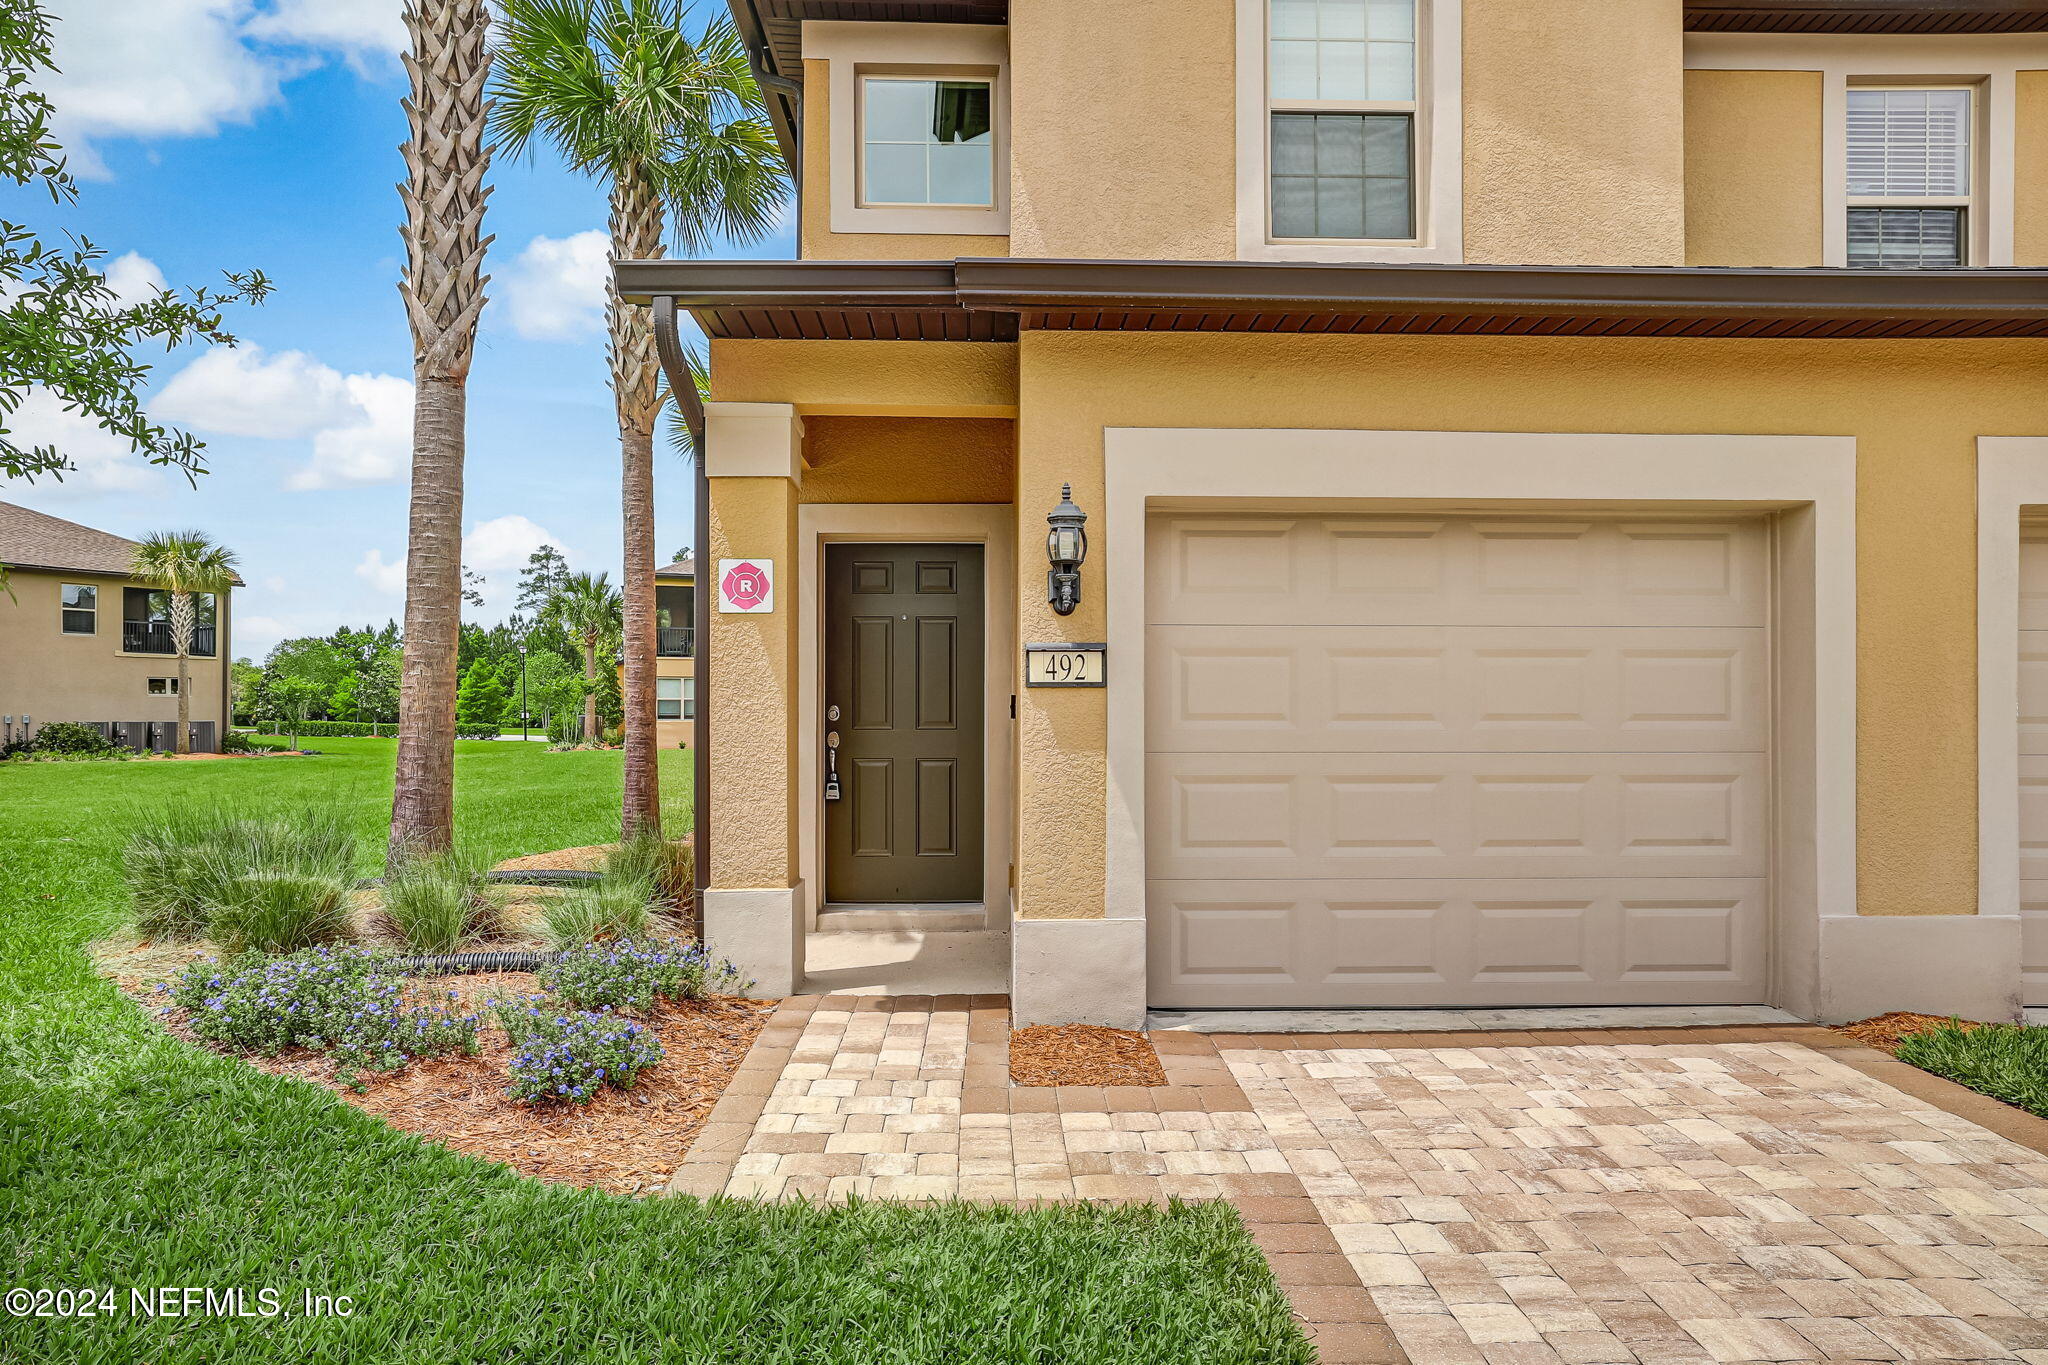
[(154, 637), (673, 642)]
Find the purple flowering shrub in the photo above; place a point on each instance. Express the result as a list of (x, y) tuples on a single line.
[(344, 1001), (632, 974), (570, 1057)]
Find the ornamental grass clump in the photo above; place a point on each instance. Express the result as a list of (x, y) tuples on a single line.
[(633, 974), (342, 1001), (275, 883), (435, 901), (570, 1057)]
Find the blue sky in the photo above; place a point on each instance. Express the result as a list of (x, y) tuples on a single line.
[(233, 134)]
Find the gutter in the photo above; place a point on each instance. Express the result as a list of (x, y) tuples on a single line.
[(682, 385)]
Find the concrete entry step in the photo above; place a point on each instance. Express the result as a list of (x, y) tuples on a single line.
[(947, 918), (1450, 1020)]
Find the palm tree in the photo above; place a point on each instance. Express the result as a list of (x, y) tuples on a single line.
[(443, 287), (675, 127), (184, 564), (587, 606)]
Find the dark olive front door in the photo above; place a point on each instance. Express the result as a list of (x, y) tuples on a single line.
[(903, 665)]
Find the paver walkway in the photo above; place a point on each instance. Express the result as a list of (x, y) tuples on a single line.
[(1533, 1200)]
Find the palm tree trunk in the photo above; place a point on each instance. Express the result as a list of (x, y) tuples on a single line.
[(636, 389), (445, 157), (181, 639), (589, 691)]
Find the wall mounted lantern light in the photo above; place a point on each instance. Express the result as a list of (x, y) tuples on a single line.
[(1066, 545)]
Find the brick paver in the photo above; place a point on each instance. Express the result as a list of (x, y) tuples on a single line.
[(1723, 1196), (1673, 1204)]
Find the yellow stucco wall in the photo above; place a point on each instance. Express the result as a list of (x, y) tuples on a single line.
[(908, 459), (753, 693), (52, 676), (1753, 168), (2030, 157), (896, 378), (1114, 156), (819, 241), (1916, 409), (1574, 133)]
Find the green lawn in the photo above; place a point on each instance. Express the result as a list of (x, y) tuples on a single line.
[(131, 1161)]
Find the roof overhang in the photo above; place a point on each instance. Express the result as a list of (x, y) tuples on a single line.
[(994, 299)]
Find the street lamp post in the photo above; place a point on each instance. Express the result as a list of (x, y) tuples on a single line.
[(522, 691)]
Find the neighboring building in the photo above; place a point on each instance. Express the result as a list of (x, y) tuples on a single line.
[(675, 687), (1556, 478), (81, 639)]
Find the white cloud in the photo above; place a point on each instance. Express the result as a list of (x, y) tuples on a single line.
[(360, 424), (555, 289), (384, 577), (241, 391), (352, 26), (182, 68), (134, 278), (375, 449), (503, 543), (106, 462)]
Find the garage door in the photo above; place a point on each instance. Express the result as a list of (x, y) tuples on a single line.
[(1456, 760), (2034, 762)]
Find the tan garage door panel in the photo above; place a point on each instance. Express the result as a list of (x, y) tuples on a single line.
[(1478, 688), (1455, 761), (2033, 702)]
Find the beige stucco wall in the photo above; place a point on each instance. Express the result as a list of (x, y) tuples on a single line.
[(52, 676), (753, 693), (1116, 156), (1753, 168), (893, 378), (2030, 157), (818, 240), (908, 459), (1574, 133), (672, 734), (1915, 408)]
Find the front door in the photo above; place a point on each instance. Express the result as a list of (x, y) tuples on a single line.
[(903, 667)]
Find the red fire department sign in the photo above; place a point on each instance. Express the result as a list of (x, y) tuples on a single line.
[(746, 585)]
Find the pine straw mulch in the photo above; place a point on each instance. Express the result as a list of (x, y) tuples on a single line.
[(1886, 1031), (625, 1141), (1082, 1054), (587, 858)]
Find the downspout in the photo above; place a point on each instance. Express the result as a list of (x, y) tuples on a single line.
[(793, 93), (682, 385)]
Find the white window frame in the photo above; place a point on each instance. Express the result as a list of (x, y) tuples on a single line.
[(1439, 139), (855, 50), (62, 629), (1971, 241), (677, 699), (1990, 64), (689, 696), (169, 687)]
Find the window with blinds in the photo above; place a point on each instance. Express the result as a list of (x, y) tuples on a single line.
[(1909, 153), (1342, 107)]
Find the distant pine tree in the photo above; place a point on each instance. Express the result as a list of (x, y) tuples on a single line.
[(479, 702)]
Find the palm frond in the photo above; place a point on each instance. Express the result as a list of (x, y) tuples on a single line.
[(680, 438)]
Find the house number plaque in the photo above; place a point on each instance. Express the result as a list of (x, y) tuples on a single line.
[(1066, 665)]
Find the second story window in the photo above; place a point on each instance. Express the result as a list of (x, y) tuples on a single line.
[(927, 141), (1341, 93), (81, 609), (1909, 177)]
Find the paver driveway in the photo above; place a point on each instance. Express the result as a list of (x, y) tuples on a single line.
[(1540, 1201)]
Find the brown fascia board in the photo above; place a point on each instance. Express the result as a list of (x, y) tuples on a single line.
[(1865, 16), (1009, 285), (1259, 286)]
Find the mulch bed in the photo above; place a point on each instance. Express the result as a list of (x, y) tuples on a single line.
[(1885, 1031), (1082, 1054), (585, 859), (625, 1141)]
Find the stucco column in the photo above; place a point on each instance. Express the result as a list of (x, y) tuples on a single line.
[(752, 906), (1075, 958)]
